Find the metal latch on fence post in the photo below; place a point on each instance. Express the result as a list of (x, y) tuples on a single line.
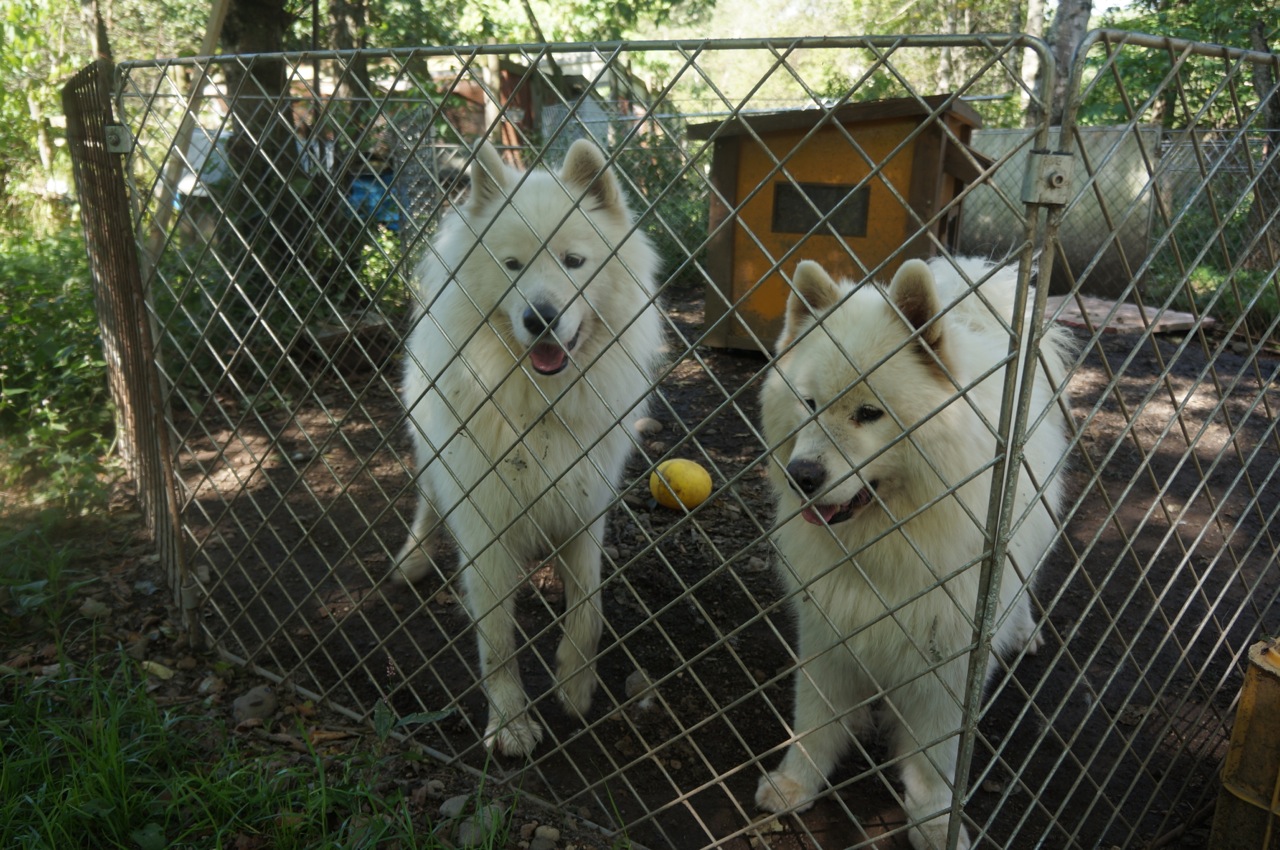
[(1048, 179), (118, 138)]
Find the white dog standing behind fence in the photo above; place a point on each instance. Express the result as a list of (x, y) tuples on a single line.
[(881, 413), (534, 355)]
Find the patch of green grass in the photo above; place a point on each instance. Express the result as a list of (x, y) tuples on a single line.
[(36, 579), (90, 760)]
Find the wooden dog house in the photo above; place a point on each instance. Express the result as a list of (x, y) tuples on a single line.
[(853, 182)]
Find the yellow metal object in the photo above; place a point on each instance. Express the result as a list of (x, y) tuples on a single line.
[(1248, 811)]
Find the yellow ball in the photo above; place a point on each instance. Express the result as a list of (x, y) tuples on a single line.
[(680, 484)]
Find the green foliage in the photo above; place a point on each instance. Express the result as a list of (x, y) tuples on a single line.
[(385, 721), (41, 42), (1240, 300), (82, 758), (677, 222), (1211, 261), (399, 23), (36, 582), (1214, 21), (403, 22), (146, 29), (264, 330), (1196, 93), (90, 760), (1206, 261), (55, 415), (1247, 299)]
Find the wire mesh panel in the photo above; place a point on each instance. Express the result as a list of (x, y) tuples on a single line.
[(1172, 539), (1119, 173), (327, 255), (119, 302)]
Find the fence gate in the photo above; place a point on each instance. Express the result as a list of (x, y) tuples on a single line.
[(282, 210)]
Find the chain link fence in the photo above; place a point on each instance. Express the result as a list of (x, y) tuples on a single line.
[(279, 259)]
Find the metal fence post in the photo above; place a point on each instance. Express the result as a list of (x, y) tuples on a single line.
[(96, 143)]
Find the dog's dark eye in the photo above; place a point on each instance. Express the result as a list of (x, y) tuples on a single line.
[(811, 404), (513, 264), (573, 261), (866, 414)]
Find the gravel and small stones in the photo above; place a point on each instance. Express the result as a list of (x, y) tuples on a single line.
[(158, 670), (255, 704), (95, 609), (763, 831), (454, 806), (137, 646), (539, 836), (647, 426), (481, 827), (544, 838), (466, 824), (639, 688), (211, 685)]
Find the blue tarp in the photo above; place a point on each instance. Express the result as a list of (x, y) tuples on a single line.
[(371, 199)]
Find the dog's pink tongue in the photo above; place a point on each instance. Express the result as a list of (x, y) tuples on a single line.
[(819, 514), (547, 357)]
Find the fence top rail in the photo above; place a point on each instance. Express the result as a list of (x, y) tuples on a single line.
[(1116, 38), (879, 42), (1121, 38)]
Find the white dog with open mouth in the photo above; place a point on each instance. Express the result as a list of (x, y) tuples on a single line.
[(881, 412), (532, 357)]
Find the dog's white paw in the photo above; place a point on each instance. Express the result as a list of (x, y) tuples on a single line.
[(576, 693), (516, 738), (933, 836), (1034, 642), (779, 792), (411, 567)]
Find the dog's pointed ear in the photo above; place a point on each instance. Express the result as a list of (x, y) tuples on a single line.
[(813, 293), (913, 292), (585, 168), (490, 177)]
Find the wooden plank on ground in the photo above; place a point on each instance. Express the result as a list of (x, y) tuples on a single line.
[(1107, 316)]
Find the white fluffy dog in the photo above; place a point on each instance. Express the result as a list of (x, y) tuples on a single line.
[(881, 411), (532, 357)]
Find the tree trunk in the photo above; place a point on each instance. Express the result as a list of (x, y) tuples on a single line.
[(1031, 59), (1266, 191), (1070, 23), (946, 59), (349, 32), (263, 145), (340, 260), (96, 27)]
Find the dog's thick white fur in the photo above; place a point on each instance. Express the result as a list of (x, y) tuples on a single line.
[(530, 361), (882, 430)]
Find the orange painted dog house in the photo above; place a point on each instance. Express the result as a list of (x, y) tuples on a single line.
[(860, 181)]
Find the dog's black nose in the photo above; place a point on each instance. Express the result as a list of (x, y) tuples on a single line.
[(808, 475), (539, 317)]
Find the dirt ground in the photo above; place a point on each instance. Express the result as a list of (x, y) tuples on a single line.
[(1111, 735)]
